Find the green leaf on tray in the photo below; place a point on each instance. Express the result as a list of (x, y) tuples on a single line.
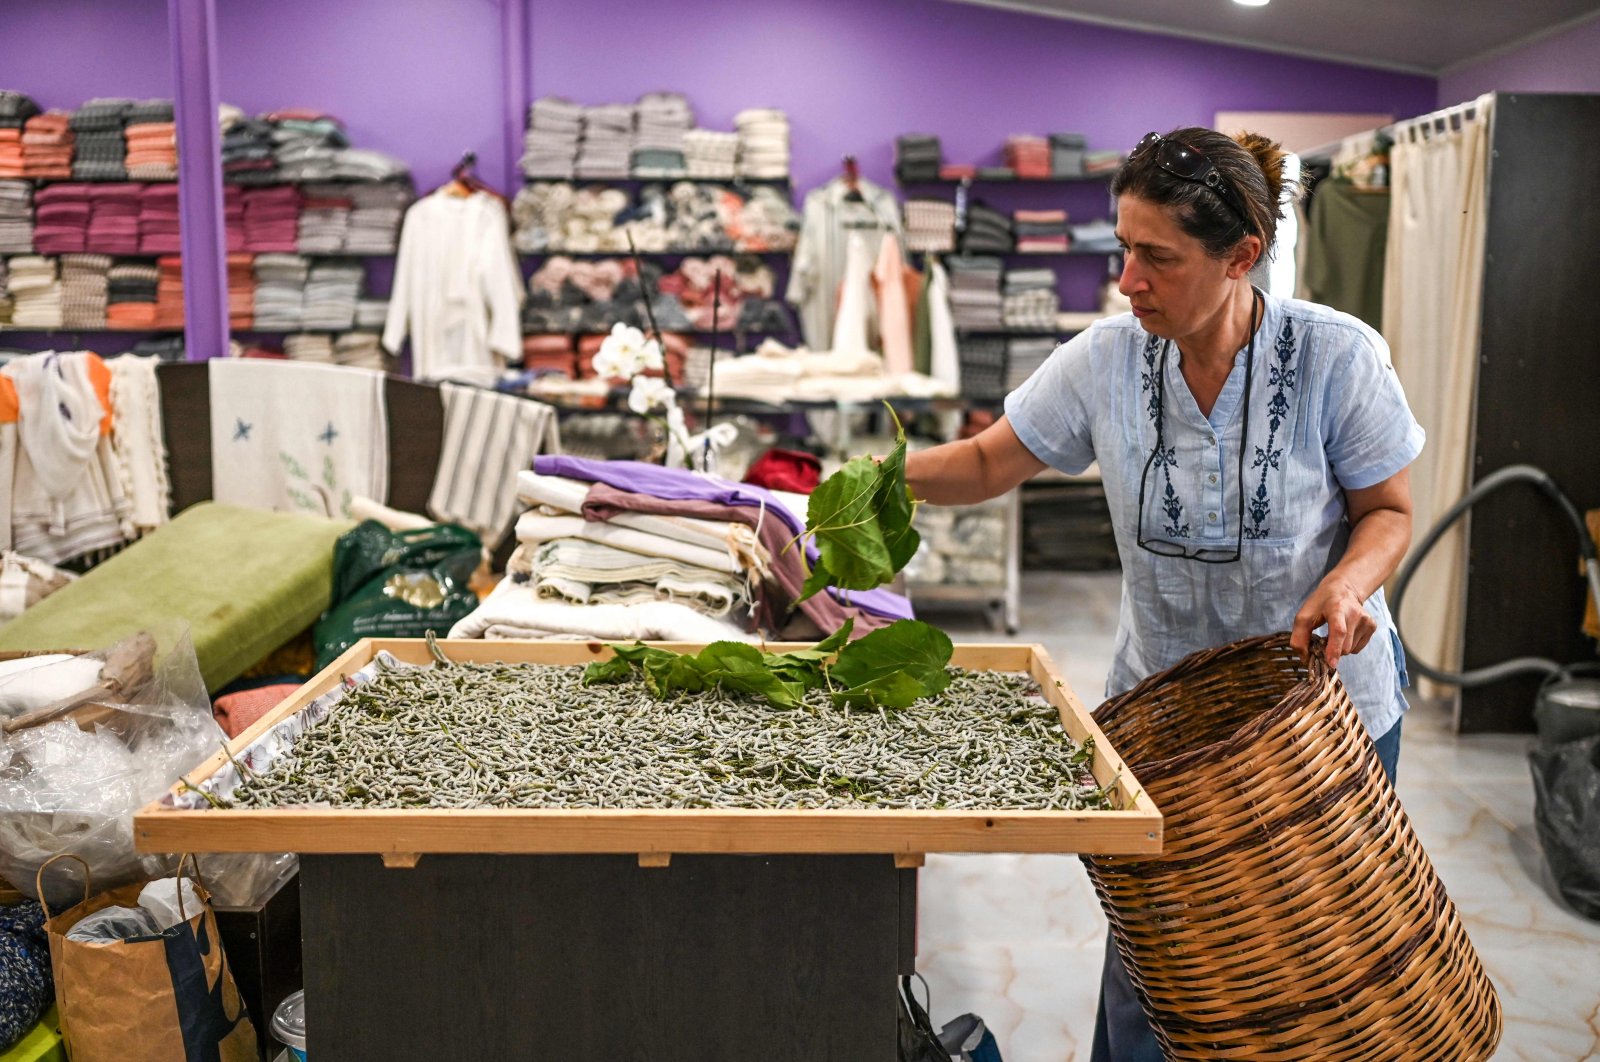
[(893, 666)]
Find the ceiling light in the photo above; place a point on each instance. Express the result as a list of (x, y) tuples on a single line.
[(1251, 3)]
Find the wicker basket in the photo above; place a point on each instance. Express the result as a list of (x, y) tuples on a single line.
[(1292, 913)]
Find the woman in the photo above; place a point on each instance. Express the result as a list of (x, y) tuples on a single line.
[(1254, 452)]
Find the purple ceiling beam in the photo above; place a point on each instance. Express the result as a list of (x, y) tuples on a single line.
[(192, 25)]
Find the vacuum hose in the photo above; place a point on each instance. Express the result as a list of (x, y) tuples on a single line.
[(1521, 665)]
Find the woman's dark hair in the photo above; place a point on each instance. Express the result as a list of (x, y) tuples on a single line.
[(1250, 163)]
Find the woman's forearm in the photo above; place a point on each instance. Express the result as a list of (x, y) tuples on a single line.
[(971, 470), (1378, 543)]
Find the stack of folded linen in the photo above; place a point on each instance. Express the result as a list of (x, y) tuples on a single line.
[(988, 231), (362, 350), (371, 313), (271, 219), (1040, 231), (1024, 355), (169, 291), (711, 155), (975, 301), (1066, 154), (658, 136), (1099, 236), (131, 295), (607, 141), (550, 147), (375, 212), (663, 553), (365, 164), (16, 216), (917, 159), (35, 292), (1028, 156), (1031, 301), (114, 219), (101, 150), (47, 146), (324, 222), (983, 367), (152, 138), (61, 218), (930, 225), (332, 289), (1101, 161), (306, 144), (158, 219), (5, 294), (241, 290), (16, 108), (309, 346), (247, 156), (280, 291), (763, 143), (83, 290)]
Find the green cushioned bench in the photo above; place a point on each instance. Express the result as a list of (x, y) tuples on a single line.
[(245, 580)]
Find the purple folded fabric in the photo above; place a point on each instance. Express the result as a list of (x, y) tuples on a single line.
[(682, 484)]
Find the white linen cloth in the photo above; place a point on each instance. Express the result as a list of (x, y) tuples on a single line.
[(297, 437), (585, 572), (535, 527), (488, 438), (59, 417), (737, 541), (517, 611), (136, 437)]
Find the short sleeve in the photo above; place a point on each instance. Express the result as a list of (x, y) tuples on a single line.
[(1051, 412), (1368, 431)]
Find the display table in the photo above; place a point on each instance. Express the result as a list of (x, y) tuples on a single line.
[(616, 934)]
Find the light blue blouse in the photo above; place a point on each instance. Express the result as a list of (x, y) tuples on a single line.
[(1327, 413)]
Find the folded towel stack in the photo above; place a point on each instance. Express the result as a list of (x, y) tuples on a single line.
[(658, 137), (152, 141), (271, 219), (100, 151), (1028, 157), (47, 146), (131, 295), (83, 290), (988, 231), (114, 219), (607, 141), (35, 292), (280, 291), (158, 219), (763, 143), (16, 216), (917, 159), (975, 300), (375, 213), (241, 290), (1031, 301), (169, 291), (331, 291), (324, 222), (930, 225), (550, 147), (710, 154), (1040, 231), (247, 156), (306, 144), (61, 218)]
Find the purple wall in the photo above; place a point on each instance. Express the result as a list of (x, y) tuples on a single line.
[(422, 78), (1567, 62), (853, 74), (65, 53)]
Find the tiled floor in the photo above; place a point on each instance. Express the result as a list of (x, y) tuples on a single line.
[(1019, 939)]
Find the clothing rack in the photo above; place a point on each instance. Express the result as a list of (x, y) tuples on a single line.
[(1410, 129)]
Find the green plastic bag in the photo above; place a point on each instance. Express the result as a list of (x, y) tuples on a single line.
[(397, 584)]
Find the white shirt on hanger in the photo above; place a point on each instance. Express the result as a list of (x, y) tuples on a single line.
[(457, 289)]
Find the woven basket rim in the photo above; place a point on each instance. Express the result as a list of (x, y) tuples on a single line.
[(1301, 694)]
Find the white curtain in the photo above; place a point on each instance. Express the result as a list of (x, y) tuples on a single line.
[(1432, 299)]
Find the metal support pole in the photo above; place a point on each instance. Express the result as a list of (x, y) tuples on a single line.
[(514, 72), (192, 26)]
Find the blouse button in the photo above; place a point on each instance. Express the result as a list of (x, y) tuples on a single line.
[(1212, 517), (1211, 478)]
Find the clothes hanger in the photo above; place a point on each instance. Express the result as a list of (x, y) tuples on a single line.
[(852, 180), (464, 180)]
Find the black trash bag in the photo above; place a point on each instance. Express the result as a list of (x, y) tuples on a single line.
[(918, 1041), (397, 584), (1566, 810)]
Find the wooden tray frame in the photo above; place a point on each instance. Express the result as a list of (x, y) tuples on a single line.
[(402, 835)]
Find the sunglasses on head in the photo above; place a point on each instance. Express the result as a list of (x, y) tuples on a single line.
[(1190, 164)]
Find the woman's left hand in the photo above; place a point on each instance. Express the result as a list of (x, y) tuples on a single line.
[(1336, 603)]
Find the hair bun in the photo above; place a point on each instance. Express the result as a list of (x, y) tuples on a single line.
[(1269, 155)]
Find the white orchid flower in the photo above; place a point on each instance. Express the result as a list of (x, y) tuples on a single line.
[(650, 393), (651, 356)]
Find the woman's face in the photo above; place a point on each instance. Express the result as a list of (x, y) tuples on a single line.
[(1177, 289)]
